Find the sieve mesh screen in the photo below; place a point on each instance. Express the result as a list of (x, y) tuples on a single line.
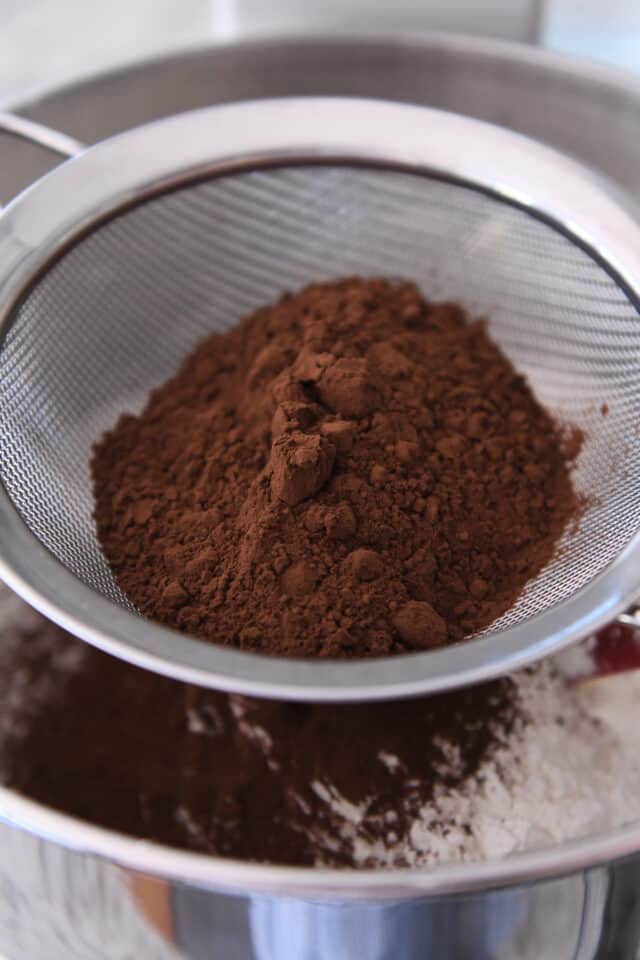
[(115, 315)]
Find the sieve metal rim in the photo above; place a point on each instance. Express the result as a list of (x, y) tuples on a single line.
[(52, 214)]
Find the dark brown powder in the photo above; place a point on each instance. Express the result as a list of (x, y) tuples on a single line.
[(158, 759), (351, 472)]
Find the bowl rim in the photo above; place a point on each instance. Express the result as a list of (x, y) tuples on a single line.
[(237, 876), (623, 80)]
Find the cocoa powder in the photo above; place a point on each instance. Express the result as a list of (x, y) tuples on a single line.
[(353, 471), (157, 759)]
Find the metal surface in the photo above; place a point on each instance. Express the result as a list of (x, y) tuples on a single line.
[(630, 617), (63, 893), (319, 884), (63, 905), (38, 134), (58, 903), (586, 110), (205, 254)]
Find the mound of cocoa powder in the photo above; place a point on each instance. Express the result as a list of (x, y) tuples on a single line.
[(353, 471)]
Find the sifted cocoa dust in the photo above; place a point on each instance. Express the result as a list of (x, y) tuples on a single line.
[(92, 736), (352, 471)]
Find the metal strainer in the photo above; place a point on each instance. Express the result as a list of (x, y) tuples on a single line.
[(114, 265)]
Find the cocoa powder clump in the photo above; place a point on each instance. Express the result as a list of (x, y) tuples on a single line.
[(353, 471)]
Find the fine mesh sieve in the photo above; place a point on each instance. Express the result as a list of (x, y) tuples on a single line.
[(119, 262)]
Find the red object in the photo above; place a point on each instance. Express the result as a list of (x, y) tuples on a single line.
[(617, 649)]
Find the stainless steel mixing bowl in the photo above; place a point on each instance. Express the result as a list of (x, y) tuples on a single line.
[(68, 890)]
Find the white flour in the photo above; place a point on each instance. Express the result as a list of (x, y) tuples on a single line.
[(573, 770)]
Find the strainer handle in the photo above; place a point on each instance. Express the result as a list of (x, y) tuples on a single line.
[(611, 650), (39, 134), (630, 617)]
